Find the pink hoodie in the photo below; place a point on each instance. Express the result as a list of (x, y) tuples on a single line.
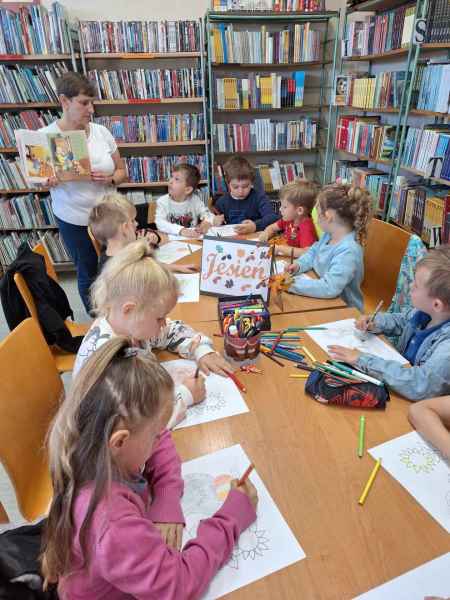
[(128, 558)]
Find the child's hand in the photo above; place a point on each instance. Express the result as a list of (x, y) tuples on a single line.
[(204, 226), (347, 355), (190, 232), (363, 323), (218, 220), (214, 363), (150, 236), (248, 489), (246, 226), (263, 236), (100, 177), (197, 387), (291, 269), (172, 534), (183, 268)]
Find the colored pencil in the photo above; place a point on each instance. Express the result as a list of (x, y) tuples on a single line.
[(299, 376), (233, 377), (292, 256), (267, 355), (197, 372), (370, 482), (357, 374), (277, 341), (304, 367), (309, 354), (362, 428), (375, 312), (190, 249), (245, 476)]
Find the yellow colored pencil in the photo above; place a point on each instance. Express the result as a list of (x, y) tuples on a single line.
[(309, 354), (370, 482), (299, 376)]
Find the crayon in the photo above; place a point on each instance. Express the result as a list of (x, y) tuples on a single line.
[(362, 427), (370, 482)]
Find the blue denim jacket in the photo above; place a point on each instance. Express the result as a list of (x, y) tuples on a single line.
[(430, 374), (340, 268)]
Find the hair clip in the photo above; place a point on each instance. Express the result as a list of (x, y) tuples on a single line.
[(132, 351)]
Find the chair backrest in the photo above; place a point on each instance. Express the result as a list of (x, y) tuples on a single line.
[(95, 243), (383, 253), (40, 249), (31, 390), (27, 296)]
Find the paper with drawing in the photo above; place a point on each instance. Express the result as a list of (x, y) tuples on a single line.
[(342, 333), (430, 579), (173, 251), (419, 468), (268, 545), (188, 284), (223, 398)]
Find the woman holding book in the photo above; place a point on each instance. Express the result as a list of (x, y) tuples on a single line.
[(72, 199)]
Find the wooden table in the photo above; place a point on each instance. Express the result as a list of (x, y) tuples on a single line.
[(306, 454), (206, 308)]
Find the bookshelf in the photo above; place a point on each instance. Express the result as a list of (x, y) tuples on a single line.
[(413, 126), (154, 126), (45, 45), (282, 124)]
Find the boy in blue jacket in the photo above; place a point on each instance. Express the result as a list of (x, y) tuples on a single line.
[(243, 206), (424, 334)]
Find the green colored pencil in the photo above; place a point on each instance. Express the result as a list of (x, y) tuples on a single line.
[(362, 429)]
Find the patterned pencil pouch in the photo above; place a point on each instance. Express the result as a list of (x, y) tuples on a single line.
[(327, 390)]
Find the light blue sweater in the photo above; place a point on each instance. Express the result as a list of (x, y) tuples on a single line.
[(340, 268)]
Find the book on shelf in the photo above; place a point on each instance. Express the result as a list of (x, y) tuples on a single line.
[(295, 43), (359, 174), (269, 5), (147, 84), (27, 119), (342, 90), (155, 128), (19, 85), (29, 211), (52, 240), (34, 30), (140, 36), (275, 174), (55, 247), (435, 88), (62, 155), (438, 17), (11, 176), (427, 150), (159, 168), (260, 91), (265, 135), (383, 90)]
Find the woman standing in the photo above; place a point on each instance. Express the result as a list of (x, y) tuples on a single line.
[(73, 200)]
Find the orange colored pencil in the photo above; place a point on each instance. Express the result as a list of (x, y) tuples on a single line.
[(246, 474), (233, 377)]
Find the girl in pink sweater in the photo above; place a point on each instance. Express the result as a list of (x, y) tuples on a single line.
[(115, 524)]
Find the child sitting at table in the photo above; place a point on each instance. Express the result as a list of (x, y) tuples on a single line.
[(182, 211), (243, 206), (424, 334), (431, 418), (113, 224), (132, 296), (297, 201), (337, 258), (115, 525)]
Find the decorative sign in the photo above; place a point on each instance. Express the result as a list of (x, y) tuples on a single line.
[(235, 267)]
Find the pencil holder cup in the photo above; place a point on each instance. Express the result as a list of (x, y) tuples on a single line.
[(241, 349)]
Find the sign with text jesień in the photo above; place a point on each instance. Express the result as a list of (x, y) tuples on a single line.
[(235, 267)]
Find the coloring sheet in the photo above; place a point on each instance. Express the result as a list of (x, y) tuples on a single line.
[(430, 579), (173, 237), (223, 231), (173, 251), (189, 287), (268, 545), (223, 399), (342, 333), (421, 469)]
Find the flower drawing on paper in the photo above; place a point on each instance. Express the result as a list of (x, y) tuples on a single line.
[(215, 401), (252, 544), (419, 458)]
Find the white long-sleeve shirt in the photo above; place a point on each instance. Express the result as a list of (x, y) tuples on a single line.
[(172, 216)]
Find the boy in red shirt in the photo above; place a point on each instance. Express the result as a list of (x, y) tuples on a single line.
[(297, 201)]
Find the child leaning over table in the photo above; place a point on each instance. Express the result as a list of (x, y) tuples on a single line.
[(424, 334)]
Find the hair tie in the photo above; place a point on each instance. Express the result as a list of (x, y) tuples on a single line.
[(133, 351)]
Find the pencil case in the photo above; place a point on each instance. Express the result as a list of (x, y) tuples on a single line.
[(327, 390), (241, 348), (225, 306)]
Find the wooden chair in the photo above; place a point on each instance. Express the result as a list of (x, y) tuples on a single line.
[(383, 253), (31, 390), (40, 249), (95, 243)]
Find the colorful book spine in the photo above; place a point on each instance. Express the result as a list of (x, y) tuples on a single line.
[(159, 168)]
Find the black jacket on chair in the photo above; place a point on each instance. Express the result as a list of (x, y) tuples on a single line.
[(51, 301)]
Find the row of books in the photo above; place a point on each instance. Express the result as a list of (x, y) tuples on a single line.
[(379, 33), (269, 5), (265, 135), (360, 175), (34, 30), (11, 177), (427, 150), (438, 21), (435, 87), (154, 128), (274, 175), (383, 90), (260, 91), (30, 84), (140, 36), (159, 168), (295, 43), (141, 84), (423, 210), (9, 244), (27, 119), (365, 136), (26, 212)]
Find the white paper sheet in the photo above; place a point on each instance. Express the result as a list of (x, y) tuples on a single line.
[(173, 237), (173, 251), (430, 579), (419, 468), (223, 399), (189, 284), (342, 333), (268, 545), (223, 231)]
